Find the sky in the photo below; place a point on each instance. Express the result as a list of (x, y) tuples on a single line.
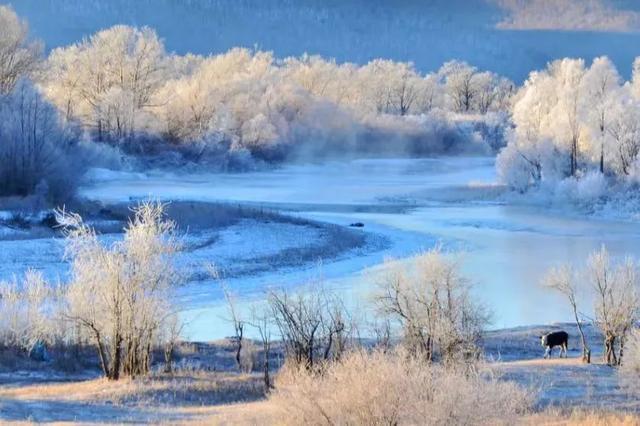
[(511, 37)]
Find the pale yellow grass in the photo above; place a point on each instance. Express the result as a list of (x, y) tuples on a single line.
[(189, 398)]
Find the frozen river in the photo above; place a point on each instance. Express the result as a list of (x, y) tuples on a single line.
[(414, 204)]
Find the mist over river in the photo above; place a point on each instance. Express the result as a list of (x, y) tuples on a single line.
[(413, 204)]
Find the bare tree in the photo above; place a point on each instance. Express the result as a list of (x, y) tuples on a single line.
[(172, 333), (261, 321), (563, 280), (312, 324), (236, 320)]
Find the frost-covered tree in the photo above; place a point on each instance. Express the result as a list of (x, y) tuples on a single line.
[(19, 55), (566, 125), (459, 83), (121, 86), (109, 81), (624, 131), (120, 294), (616, 287), (571, 121), (635, 79), (393, 87), (563, 280), (36, 149), (469, 90), (432, 302), (602, 83)]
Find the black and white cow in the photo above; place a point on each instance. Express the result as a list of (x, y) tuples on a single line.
[(551, 340)]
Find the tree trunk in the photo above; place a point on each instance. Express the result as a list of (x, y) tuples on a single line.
[(621, 352), (102, 355), (265, 364), (609, 350), (168, 358), (574, 156), (586, 351), (601, 149), (116, 360)]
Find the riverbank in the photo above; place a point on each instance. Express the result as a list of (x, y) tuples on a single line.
[(206, 387)]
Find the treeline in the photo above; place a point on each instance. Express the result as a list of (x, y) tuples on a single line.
[(576, 129), (121, 87)]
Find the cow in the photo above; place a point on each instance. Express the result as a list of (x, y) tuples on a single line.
[(551, 340)]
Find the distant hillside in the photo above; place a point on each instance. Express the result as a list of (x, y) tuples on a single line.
[(427, 32)]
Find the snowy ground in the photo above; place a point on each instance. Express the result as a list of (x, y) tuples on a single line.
[(562, 383), (206, 389), (240, 242)]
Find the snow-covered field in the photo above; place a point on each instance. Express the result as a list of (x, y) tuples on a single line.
[(202, 396)]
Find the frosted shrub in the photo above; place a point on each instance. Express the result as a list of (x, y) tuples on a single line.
[(630, 370), (433, 304), (385, 389), (591, 187), (30, 313), (120, 294), (248, 356), (585, 190), (513, 170)]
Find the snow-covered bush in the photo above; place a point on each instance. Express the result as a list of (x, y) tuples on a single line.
[(393, 388), (433, 305), (30, 313), (120, 295), (630, 369), (585, 190)]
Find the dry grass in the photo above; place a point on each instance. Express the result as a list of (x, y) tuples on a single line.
[(181, 389), (187, 397), (377, 388)]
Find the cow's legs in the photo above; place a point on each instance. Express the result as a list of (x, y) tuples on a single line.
[(547, 352)]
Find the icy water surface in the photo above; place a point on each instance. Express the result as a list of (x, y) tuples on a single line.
[(414, 204)]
